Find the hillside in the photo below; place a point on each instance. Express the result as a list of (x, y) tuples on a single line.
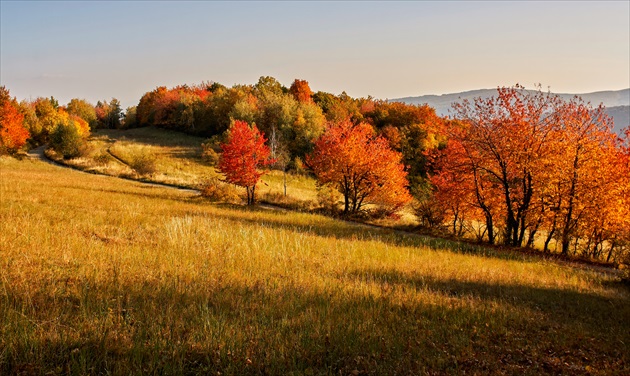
[(613, 100), (621, 115), (104, 275)]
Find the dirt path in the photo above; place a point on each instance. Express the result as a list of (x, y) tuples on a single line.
[(39, 154)]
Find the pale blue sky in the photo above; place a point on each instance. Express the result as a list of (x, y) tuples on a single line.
[(122, 49)]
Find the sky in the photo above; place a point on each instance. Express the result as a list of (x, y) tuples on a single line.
[(123, 49)]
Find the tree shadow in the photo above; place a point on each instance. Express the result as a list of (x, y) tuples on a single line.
[(340, 229), (153, 191), (563, 307), (259, 327)]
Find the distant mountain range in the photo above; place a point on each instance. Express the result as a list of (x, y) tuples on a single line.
[(617, 102)]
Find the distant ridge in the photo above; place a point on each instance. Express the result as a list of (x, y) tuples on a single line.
[(617, 102)]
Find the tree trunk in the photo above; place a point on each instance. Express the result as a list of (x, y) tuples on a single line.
[(610, 251), (566, 231), (548, 240), (490, 229)]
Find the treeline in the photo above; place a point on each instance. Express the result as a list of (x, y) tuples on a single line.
[(43, 120), (292, 118), (522, 168)]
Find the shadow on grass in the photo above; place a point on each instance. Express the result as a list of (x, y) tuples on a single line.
[(265, 328), (559, 306), (152, 136), (339, 229)]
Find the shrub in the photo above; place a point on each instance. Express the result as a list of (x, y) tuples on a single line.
[(382, 212), (101, 159), (210, 150), (66, 141), (143, 163), (328, 199), (210, 156), (219, 191), (297, 166)]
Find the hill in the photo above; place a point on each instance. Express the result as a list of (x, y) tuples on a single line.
[(104, 275), (621, 115), (617, 102)]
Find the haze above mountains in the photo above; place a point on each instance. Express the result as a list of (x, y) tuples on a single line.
[(617, 102)]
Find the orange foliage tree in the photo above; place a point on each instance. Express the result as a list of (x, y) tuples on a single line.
[(503, 139), (583, 170), (361, 165), (458, 191), (13, 134), (244, 153), (301, 91), (530, 162)]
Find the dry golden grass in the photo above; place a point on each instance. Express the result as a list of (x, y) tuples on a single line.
[(178, 161), (101, 275)]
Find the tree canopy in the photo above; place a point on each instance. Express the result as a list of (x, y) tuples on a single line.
[(361, 165), (244, 154)]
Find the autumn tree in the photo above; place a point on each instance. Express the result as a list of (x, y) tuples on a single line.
[(361, 165), (68, 137), (13, 134), (109, 115), (504, 139), (243, 155), (47, 114), (454, 192), (301, 91), (529, 162), (583, 167), (84, 110)]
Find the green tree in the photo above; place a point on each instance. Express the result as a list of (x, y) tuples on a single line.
[(83, 109)]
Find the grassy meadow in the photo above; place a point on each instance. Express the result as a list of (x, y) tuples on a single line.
[(176, 159), (100, 275)]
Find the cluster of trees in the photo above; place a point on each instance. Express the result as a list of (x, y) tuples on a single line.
[(349, 157), (39, 121), (288, 117), (13, 133), (515, 168), (293, 118), (43, 120), (522, 164)]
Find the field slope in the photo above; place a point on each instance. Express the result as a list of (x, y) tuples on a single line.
[(103, 275)]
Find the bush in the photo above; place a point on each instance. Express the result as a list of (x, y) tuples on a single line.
[(328, 199), (210, 150), (218, 191), (66, 141), (382, 212), (297, 166), (143, 163), (101, 159), (210, 156)]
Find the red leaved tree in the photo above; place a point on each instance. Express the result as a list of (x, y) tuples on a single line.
[(244, 153), (361, 165), (13, 134), (301, 91)]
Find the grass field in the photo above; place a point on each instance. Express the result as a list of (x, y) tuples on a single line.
[(102, 275), (177, 160)]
